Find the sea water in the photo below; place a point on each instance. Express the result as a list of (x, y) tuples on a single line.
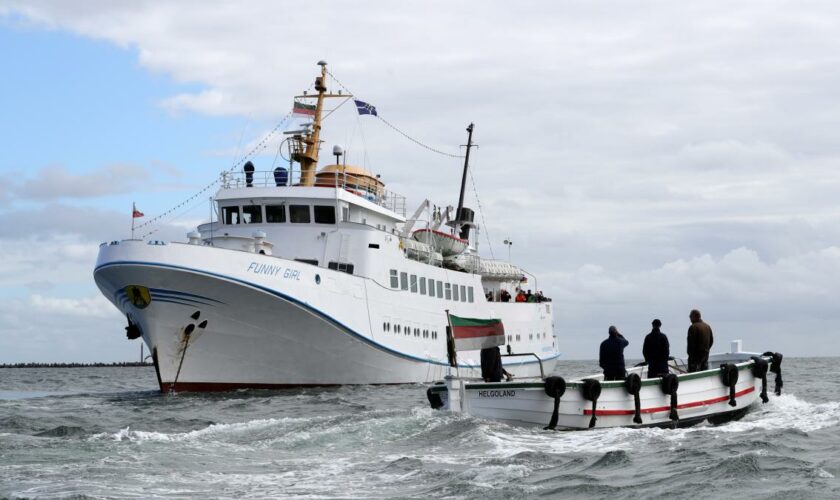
[(108, 432)]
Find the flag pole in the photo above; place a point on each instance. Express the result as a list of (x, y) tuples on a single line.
[(133, 209), (450, 347)]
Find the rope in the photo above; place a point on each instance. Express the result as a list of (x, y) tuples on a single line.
[(481, 211), (258, 147), (397, 130)]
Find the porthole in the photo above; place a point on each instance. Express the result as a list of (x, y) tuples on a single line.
[(317, 279)]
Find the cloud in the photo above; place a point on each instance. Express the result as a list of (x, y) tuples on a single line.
[(56, 182)]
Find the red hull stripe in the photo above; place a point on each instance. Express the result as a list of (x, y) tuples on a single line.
[(693, 404), (471, 332)]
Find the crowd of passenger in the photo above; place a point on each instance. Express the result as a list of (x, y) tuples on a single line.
[(520, 296)]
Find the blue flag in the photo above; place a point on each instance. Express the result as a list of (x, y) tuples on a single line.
[(365, 108)]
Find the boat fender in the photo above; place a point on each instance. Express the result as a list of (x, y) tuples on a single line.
[(633, 384), (776, 367), (729, 376), (670, 383), (591, 392), (555, 387), (759, 370), (434, 399)]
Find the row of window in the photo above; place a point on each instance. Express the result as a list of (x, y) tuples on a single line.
[(510, 338), (296, 214), (432, 288), (407, 330)]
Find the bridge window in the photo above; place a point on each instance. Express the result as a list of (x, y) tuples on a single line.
[(422, 286), (341, 266), (454, 293), (413, 283), (439, 289), (470, 294), (299, 214), (275, 213), (448, 288), (231, 215), (251, 214), (463, 293), (395, 282), (324, 214), (404, 281), (431, 287)]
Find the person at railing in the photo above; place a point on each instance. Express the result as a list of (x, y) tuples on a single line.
[(700, 340), (542, 298), (505, 296), (656, 350), (249, 174), (611, 356), (530, 297), (520, 296), (489, 296), (491, 365)]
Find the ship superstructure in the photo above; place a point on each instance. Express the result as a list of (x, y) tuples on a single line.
[(316, 277)]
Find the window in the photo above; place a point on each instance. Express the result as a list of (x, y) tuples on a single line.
[(454, 293), (439, 289), (407, 330), (275, 213), (422, 286), (416, 332), (299, 214), (463, 293), (312, 262), (404, 281), (324, 214), (251, 214), (413, 283), (431, 287), (231, 215), (397, 328), (373, 245), (470, 293), (448, 288), (395, 282), (341, 266)]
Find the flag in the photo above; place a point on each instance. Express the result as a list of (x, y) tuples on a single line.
[(365, 108), (300, 108), (136, 213), (474, 333)]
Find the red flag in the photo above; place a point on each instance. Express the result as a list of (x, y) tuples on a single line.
[(136, 213)]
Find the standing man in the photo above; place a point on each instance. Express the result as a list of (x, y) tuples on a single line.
[(656, 350), (611, 358), (700, 340)]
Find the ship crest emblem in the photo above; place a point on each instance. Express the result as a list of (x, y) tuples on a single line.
[(138, 295)]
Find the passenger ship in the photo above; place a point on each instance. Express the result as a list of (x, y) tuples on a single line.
[(316, 277)]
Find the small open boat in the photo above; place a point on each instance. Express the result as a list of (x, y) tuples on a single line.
[(725, 392), (446, 244)]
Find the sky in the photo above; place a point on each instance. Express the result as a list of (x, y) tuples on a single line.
[(645, 157)]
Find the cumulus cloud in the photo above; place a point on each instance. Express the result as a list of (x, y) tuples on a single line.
[(644, 160), (55, 182)]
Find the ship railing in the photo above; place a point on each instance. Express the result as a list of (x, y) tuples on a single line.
[(283, 177)]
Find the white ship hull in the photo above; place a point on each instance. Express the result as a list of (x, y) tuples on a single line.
[(273, 323)]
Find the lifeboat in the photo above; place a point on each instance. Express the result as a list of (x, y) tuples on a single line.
[(444, 243)]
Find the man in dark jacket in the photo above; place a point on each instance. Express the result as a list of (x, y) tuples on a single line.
[(700, 340), (611, 358), (656, 351), (491, 365)]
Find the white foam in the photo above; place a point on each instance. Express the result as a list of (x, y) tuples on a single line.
[(214, 430)]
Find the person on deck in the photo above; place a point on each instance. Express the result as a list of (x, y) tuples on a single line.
[(491, 365), (520, 297), (611, 358), (700, 340), (656, 351), (505, 296), (529, 297)]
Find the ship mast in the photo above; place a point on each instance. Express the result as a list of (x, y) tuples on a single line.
[(463, 217), (305, 148)]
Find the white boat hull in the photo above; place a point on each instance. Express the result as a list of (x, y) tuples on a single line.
[(278, 327), (701, 396)]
